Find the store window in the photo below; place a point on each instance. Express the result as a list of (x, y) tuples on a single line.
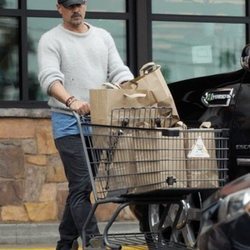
[(107, 5), (41, 4), (9, 59), (187, 50), (93, 5), (201, 7), (36, 27), (189, 38)]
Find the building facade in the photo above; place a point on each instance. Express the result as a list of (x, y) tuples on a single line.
[(188, 38)]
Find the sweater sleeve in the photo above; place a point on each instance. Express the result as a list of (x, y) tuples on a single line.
[(48, 63), (117, 71)]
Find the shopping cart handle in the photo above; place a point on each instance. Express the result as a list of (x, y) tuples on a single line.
[(85, 116)]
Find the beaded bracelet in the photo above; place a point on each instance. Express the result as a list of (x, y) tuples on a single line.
[(69, 101), (74, 100)]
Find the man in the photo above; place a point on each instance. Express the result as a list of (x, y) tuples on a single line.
[(74, 57)]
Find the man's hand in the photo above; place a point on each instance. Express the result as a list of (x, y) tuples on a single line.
[(80, 107)]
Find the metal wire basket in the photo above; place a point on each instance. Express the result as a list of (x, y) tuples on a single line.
[(138, 156), (126, 160), (146, 117)]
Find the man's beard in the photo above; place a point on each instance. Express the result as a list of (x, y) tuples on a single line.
[(76, 20)]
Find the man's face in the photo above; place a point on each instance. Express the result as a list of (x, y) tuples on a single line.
[(73, 15)]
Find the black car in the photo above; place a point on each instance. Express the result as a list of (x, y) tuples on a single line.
[(224, 101), (225, 217)]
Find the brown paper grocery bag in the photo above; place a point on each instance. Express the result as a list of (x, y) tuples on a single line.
[(160, 160), (151, 78), (202, 167), (103, 101), (117, 169)]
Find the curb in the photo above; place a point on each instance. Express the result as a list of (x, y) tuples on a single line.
[(47, 233)]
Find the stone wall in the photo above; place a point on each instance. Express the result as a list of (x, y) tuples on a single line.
[(32, 182)]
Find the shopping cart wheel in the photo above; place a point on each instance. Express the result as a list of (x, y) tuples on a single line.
[(157, 223)]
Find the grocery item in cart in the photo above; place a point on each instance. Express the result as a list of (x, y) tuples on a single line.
[(202, 165), (157, 156), (147, 90), (117, 168), (139, 160), (160, 160), (103, 101), (151, 78)]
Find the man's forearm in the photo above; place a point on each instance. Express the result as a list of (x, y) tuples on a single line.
[(58, 91)]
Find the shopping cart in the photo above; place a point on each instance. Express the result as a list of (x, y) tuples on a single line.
[(136, 160)]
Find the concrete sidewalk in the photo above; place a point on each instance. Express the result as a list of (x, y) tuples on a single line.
[(28, 247), (26, 236), (44, 247)]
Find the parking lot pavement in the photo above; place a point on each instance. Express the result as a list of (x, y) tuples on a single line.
[(44, 236), (46, 247), (28, 247)]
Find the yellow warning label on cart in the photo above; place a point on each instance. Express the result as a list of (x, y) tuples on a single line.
[(198, 150)]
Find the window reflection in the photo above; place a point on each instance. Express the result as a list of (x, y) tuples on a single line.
[(36, 27), (93, 5), (8, 4), (107, 5), (9, 81), (202, 7), (41, 5), (187, 50)]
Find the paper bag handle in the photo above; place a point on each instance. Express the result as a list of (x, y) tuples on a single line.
[(111, 85), (206, 125), (181, 124), (136, 95), (117, 86), (148, 68), (144, 70)]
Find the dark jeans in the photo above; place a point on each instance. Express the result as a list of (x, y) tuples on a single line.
[(78, 203)]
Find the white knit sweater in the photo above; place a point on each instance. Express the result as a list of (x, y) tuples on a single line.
[(81, 61)]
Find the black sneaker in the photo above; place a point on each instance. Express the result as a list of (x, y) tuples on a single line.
[(75, 245), (96, 243)]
